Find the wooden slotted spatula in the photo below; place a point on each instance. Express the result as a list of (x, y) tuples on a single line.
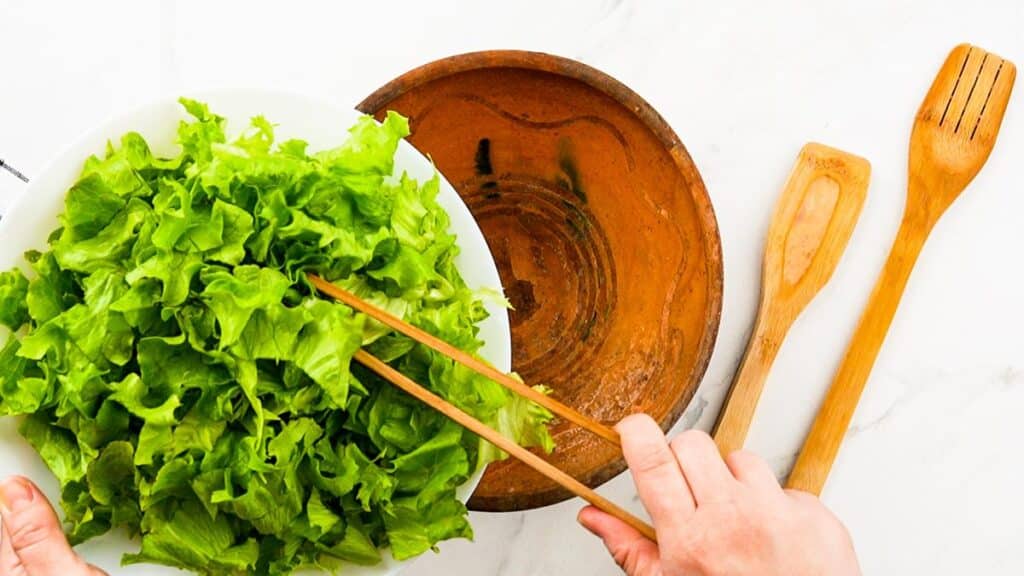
[(810, 228), (953, 134)]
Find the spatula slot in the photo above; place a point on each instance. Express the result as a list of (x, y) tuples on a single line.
[(988, 96), (971, 93), (955, 85)]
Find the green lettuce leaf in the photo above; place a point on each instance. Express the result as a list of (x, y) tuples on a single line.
[(183, 381), (13, 299)]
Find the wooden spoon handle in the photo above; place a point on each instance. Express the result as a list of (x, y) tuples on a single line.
[(822, 444)]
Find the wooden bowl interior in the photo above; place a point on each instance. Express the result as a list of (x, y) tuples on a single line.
[(603, 234)]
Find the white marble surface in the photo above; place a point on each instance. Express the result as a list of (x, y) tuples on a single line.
[(930, 478)]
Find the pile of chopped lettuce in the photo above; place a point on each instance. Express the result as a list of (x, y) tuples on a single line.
[(183, 381)]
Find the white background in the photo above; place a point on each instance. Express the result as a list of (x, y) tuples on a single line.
[(929, 479)]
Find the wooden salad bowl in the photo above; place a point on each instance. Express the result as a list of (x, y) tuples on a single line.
[(603, 233)]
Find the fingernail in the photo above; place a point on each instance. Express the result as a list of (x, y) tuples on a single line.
[(15, 494)]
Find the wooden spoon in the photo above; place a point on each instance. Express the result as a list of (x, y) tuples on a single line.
[(811, 226), (953, 134)]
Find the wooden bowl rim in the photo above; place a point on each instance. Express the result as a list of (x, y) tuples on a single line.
[(572, 69)]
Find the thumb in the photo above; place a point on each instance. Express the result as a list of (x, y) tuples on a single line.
[(34, 543), (633, 552)]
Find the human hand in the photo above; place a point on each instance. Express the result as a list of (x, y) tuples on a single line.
[(716, 517), (31, 540)]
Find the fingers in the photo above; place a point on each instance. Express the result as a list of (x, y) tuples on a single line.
[(705, 472), (9, 563), (634, 553), (33, 533), (655, 470), (752, 471)]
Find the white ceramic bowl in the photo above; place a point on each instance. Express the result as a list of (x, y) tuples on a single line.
[(33, 215)]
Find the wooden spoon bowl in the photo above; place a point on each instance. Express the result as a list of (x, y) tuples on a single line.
[(603, 233)]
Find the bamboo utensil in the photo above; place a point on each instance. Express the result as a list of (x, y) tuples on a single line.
[(465, 359), (954, 132), (536, 462), (811, 226), (385, 371)]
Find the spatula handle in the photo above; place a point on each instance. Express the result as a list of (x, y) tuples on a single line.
[(819, 451), (734, 422)]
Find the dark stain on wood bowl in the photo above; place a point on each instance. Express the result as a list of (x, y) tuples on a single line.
[(603, 233)]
